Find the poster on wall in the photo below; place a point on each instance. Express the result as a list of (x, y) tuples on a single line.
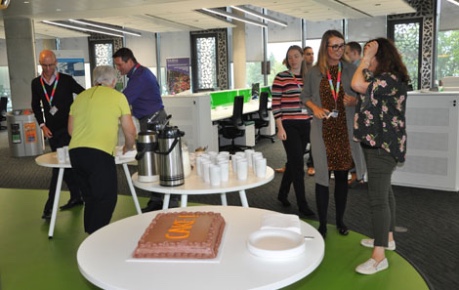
[(178, 75), (71, 62)]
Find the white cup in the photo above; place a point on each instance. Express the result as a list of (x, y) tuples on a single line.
[(224, 171), (199, 160), (66, 151), (255, 156), (205, 167), (261, 167), (242, 169), (215, 178), (234, 160), (248, 156), (213, 156), (60, 155)]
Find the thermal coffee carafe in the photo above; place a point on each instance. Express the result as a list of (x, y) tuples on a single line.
[(147, 159), (171, 171)]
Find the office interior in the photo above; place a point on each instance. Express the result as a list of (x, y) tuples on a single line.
[(246, 49)]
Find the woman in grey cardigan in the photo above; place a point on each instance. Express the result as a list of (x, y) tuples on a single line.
[(328, 94)]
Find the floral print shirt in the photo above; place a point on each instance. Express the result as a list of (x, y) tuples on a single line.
[(379, 120)]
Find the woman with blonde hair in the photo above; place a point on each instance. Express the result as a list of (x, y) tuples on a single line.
[(327, 92)]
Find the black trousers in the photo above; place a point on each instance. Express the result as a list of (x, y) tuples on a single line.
[(340, 194), (60, 139), (96, 174), (295, 145)]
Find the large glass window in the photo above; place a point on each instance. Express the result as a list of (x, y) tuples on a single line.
[(448, 54), (407, 38)]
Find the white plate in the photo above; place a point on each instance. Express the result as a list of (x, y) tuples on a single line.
[(276, 243)]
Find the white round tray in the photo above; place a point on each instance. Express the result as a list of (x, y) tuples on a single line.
[(276, 243)]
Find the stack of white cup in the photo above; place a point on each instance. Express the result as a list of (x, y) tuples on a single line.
[(213, 167), (63, 154), (248, 159)]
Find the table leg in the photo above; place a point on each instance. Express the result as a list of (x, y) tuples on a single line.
[(243, 197), (223, 198), (131, 187), (184, 200), (167, 198), (57, 195)]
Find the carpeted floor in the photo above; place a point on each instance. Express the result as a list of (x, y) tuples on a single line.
[(427, 220)]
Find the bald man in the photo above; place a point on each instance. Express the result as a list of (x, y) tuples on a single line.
[(52, 96)]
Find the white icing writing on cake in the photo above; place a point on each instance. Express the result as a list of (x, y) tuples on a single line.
[(181, 227)]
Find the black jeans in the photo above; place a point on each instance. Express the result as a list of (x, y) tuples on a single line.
[(380, 165), (295, 145), (96, 174), (60, 139)]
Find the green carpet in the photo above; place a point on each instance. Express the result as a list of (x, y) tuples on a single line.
[(29, 260)]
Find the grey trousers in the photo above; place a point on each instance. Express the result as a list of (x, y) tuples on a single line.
[(380, 165)]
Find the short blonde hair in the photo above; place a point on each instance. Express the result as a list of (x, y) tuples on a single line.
[(103, 75)]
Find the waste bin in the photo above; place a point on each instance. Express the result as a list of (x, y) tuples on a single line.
[(24, 134)]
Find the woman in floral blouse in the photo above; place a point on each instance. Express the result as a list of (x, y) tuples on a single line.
[(382, 80)]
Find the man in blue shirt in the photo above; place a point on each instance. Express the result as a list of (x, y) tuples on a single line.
[(142, 89), (144, 96)]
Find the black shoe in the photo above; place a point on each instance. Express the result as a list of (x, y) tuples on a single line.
[(284, 201), (46, 215), (323, 231), (71, 203), (153, 206), (306, 211), (342, 230)]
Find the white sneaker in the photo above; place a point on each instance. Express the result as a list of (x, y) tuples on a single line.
[(369, 243), (371, 267)]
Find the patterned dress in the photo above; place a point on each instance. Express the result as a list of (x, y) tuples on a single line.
[(334, 130)]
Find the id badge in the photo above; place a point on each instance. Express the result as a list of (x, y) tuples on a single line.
[(334, 114), (53, 110), (304, 111)]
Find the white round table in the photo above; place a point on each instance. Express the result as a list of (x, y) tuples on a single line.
[(194, 185), (50, 160), (105, 257)]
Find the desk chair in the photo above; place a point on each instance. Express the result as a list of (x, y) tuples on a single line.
[(233, 127), (261, 118), (3, 103)]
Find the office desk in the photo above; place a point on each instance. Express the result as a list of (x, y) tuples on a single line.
[(224, 112), (194, 185), (104, 258), (50, 160)]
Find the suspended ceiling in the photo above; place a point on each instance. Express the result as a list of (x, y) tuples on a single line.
[(179, 15)]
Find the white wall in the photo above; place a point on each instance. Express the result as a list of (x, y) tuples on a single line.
[(364, 29), (143, 47), (175, 44)]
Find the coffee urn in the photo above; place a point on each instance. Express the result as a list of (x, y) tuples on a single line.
[(171, 171), (148, 161)]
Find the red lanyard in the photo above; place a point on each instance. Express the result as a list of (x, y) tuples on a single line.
[(335, 94), (50, 99)]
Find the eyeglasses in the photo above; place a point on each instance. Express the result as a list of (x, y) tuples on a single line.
[(337, 46), (47, 65)]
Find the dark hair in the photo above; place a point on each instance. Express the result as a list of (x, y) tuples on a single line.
[(355, 46), (125, 54), (390, 60), (322, 61), (293, 47), (306, 47)]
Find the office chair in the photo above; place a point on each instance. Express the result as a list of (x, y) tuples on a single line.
[(261, 118), (233, 127), (3, 103)]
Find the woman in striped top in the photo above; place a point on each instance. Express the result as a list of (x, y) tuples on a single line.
[(293, 126)]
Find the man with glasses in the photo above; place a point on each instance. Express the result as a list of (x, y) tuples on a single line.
[(52, 96)]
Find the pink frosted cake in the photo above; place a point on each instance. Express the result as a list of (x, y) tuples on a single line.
[(182, 235)]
